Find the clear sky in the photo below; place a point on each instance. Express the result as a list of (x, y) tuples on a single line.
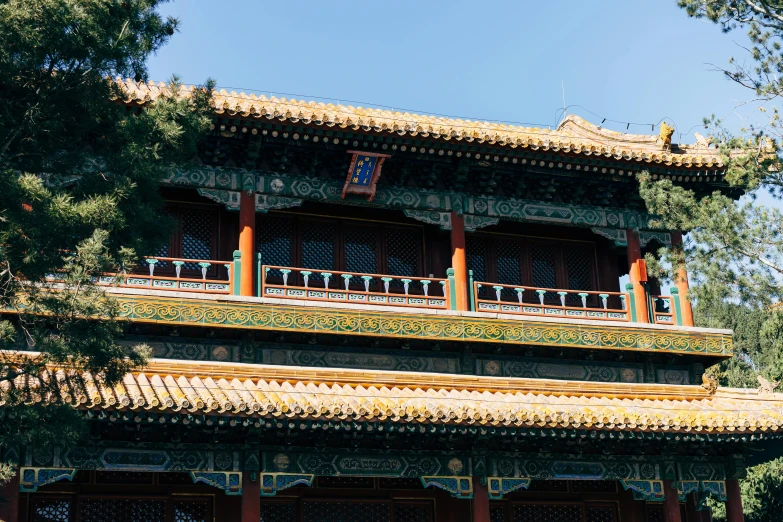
[(634, 61)]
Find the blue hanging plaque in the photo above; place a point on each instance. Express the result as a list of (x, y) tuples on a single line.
[(364, 173)]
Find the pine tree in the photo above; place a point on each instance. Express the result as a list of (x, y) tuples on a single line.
[(734, 251), (79, 178)]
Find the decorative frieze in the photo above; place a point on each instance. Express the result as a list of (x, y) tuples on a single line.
[(264, 203), (316, 189), (565, 334)]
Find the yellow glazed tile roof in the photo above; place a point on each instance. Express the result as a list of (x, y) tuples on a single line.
[(573, 135), (322, 394)]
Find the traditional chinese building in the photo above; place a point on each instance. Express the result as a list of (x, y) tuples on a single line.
[(369, 316)]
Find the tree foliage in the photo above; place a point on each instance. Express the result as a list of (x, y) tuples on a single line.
[(79, 178), (734, 249)]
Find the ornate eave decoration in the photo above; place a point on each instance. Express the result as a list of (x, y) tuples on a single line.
[(33, 478), (229, 481)]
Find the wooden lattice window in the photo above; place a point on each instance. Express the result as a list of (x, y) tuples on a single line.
[(505, 511), (497, 513), (534, 262), (346, 511), (195, 237), (306, 510), (278, 512), (51, 509), (338, 245), (121, 509), (555, 512), (600, 513), (412, 512)]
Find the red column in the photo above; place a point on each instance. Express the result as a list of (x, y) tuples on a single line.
[(251, 498), (733, 502), (480, 501), (693, 515), (247, 239), (671, 504), (682, 285), (637, 273), (9, 508), (631, 510), (458, 262)]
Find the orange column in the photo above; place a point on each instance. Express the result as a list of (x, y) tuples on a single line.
[(9, 506), (733, 502), (251, 498), (682, 285), (637, 272), (458, 262), (480, 501), (247, 240), (671, 504)]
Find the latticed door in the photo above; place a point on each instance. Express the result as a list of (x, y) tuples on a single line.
[(552, 512), (51, 510), (195, 237), (121, 509), (346, 511), (275, 238), (515, 260), (546, 513), (333, 244)]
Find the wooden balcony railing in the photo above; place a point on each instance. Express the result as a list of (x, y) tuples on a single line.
[(662, 309), (170, 277), (549, 302), (350, 287)]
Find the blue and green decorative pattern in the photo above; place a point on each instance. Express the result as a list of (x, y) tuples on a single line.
[(229, 482), (218, 179), (649, 490), (271, 483), (197, 312), (30, 479), (458, 486), (499, 486)]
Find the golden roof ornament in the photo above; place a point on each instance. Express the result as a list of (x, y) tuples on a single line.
[(665, 135), (766, 387), (709, 383)]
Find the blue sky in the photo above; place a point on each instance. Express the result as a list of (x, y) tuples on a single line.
[(637, 61)]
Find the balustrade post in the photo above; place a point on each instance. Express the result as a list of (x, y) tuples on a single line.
[(733, 502), (671, 503), (247, 239), (458, 260), (471, 292), (480, 502), (676, 307), (682, 285), (9, 496), (637, 272), (236, 271), (259, 276)]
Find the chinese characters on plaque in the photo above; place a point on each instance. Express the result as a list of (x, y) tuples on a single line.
[(364, 173)]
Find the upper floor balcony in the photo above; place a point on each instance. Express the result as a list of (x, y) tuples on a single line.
[(326, 270)]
